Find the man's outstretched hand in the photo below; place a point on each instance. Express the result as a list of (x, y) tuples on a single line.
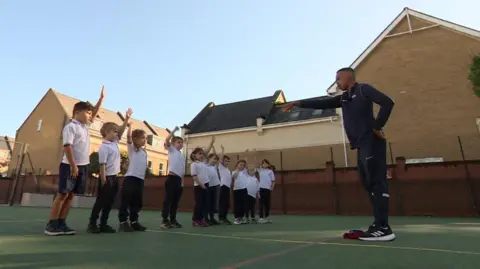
[(288, 106), (379, 133)]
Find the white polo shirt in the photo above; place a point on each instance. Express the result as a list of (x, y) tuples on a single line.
[(252, 186), (267, 177), (225, 176), (199, 169), (241, 181), (176, 162), (109, 155), (77, 135), (137, 166), (213, 175)]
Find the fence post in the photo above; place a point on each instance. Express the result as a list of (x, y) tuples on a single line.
[(284, 189), (399, 166), (331, 170), (469, 180), (394, 181)]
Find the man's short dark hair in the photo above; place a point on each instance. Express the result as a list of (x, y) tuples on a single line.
[(347, 69), (82, 106)]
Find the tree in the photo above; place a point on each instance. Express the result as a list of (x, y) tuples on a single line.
[(474, 75), (94, 166), (123, 162)]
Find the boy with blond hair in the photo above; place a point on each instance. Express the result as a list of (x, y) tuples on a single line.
[(109, 160)]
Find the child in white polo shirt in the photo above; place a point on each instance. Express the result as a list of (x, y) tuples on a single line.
[(174, 181), (109, 160), (252, 190), (225, 187), (73, 170), (133, 183), (200, 177), (214, 183), (267, 182), (240, 180)]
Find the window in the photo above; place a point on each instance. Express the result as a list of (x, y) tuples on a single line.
[(317, 112), (39, 125), (160, 169), (155, 141), (294, 115), (478, 124), (149, 164)]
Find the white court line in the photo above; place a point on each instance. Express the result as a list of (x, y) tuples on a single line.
[(22, 221), (358, 245)]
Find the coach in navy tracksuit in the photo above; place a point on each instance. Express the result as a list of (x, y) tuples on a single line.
[(365, 134)]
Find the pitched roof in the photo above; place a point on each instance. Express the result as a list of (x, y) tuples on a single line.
[(3, 143), (244, 114), (105, 115), (405, 14)]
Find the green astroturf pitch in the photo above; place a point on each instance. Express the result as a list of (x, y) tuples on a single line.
[(290, 242)]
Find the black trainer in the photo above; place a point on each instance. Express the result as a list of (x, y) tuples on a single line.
[(125, 227), (107, 229), (175, 224), (382, 234), (136, 226), (93, 229)]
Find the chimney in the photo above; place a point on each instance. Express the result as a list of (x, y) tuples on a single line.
[(260, 120), (185, 130)]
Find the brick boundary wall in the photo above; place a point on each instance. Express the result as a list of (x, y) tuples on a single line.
[(435, 189)]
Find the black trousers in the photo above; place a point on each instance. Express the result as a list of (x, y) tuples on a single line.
[(372, 167), (173, 193), (240, 203), (224, 202), (131, 199), (251, 202), (201, 203), (105, 200), (265, 199), (212, 200)]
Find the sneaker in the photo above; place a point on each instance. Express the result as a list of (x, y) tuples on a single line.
[(262, 221), (237, 221), (254, 221), (382, 234), (93, 229), (136, 226), (214, 221), (125, 227), (205, 223), (52, 229), (166, 224), (197, 223), (175, 224), (107, 229), (244, 221), (66, 230)]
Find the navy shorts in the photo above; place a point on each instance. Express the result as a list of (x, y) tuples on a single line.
[(67, 184)]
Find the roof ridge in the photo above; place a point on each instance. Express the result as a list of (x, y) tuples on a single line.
[(399, 18)]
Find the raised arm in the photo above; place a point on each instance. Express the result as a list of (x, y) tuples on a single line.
[(129, 134), (168, 140), (122, 128), (97, 107), (386, 105), (222, 153), (319, 103), (209, 148)]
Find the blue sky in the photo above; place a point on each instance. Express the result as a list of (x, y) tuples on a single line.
[(168, 59)]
